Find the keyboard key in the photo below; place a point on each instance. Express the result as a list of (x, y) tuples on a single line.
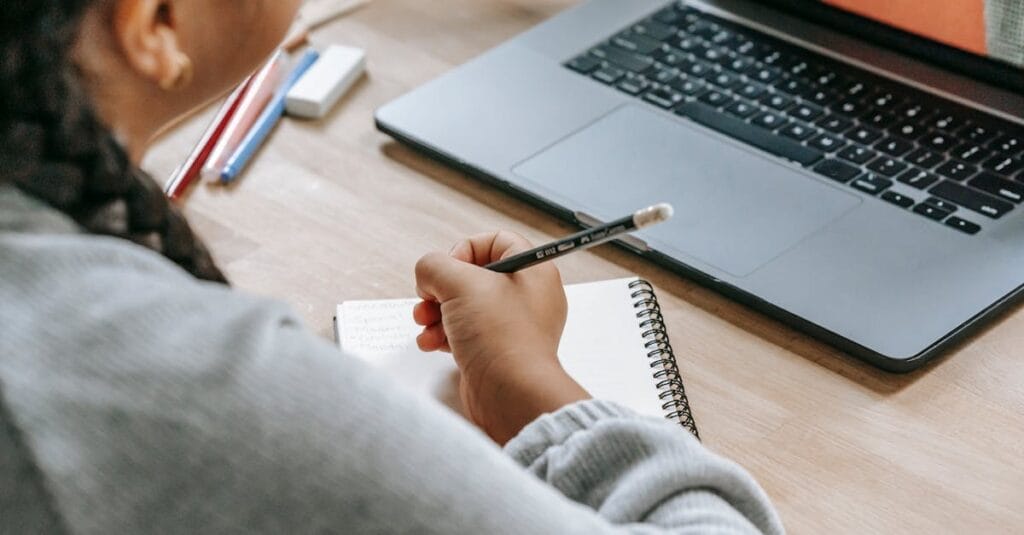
[(704, 29), (998, 186), (714, 54), (715, 98), (609, 75), (741, 109), (956, 170), (898, 199), (669, 15), (768, 55), (769, 120), (884, 100), (976, 134), (855, 89), (621, 58), (655, 30), (938, 141), (819, 97), (971, 199), (894, 146), (794, 87), (1009, 145), (798, 131), (911, 111), (828, 80), (806, 112), (924, 158), (836, 170), (827, 143), (835, 123), (725, 79), (633, 85), (725, 38), (931, 212), (917, 178), (887, 166), (945, 206), (971, 153), (864, 134), (1004, 165), (739, 64), (880, 119), (765, 75), (909, 130), (672, 57), (947, 123), (857, 154), (662, 76), (584, 64), (751, 90), (777, 101), (689, 86), (636, 43), (963, 225), (689, 44), (850, 107), (699, 69), (664, 97), (742, 131), (871, 184)]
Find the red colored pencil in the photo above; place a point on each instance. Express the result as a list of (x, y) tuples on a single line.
[(189, 171)]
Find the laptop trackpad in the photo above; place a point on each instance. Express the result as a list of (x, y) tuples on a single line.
[(735, 209)]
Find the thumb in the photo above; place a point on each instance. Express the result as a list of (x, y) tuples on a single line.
[(441, 278)]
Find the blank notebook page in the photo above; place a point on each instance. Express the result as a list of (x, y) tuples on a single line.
[(602, 346)]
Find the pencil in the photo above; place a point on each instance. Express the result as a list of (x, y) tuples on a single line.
[(189, 170), (266, 122), (585, 239), (261, 90)]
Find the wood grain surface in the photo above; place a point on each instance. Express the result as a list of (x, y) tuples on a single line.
[(334, 210)]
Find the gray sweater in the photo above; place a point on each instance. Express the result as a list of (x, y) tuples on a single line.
[(134, 399)]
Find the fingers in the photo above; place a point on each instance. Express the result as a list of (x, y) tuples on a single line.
[(432, 339), (426, 313), (483, 249), (441, 277)]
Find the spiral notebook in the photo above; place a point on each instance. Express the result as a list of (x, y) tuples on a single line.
[(615, 345)]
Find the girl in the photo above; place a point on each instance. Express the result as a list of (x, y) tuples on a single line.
[(139, 393)]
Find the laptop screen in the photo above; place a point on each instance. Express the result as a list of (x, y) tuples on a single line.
[(990, 28), (983, 39)]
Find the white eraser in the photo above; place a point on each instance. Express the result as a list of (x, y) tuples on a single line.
[(326, 82)]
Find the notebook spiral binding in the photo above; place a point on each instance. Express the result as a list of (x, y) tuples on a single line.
[(662, 360)]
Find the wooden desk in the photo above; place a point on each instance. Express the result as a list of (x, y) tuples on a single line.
[(335, 210)]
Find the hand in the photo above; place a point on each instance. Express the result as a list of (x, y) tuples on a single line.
[(502, 329)]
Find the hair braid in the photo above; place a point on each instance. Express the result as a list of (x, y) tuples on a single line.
[(54, 147)]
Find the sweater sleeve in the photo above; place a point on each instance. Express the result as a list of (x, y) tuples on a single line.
[(651, 471), (151, 403)]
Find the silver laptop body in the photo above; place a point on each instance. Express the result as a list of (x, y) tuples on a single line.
[(872, 278)]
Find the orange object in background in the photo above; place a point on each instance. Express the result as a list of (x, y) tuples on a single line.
[(960, 23)]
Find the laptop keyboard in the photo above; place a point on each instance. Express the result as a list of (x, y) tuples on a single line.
[(843, 123)]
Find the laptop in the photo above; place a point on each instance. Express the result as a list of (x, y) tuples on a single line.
[(852, 168)]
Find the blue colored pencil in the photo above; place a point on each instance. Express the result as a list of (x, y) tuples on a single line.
[(266, 122)]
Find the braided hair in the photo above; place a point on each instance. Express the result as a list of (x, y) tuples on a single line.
[(53, 145)]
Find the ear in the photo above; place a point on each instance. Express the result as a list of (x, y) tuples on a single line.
[(147, 34)]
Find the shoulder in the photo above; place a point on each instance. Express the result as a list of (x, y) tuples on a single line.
[(85, 300)]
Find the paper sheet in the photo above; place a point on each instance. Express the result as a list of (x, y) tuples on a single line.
[(602, 347)]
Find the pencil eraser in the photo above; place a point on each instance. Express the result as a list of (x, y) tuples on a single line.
[(326, 82)]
